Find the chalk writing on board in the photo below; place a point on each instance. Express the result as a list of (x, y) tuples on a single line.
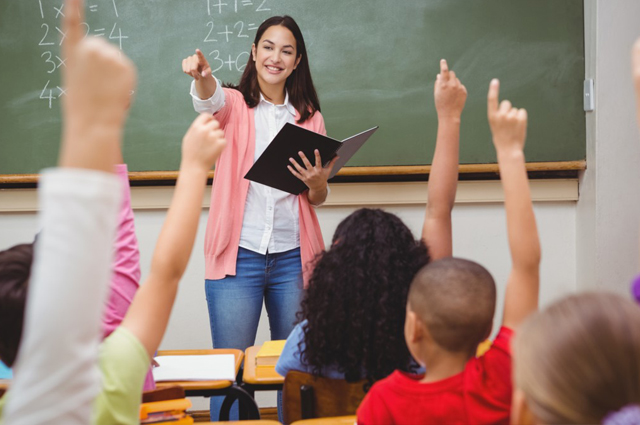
[(222, 30), (54, 36)]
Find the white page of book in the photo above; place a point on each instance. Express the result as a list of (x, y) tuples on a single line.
[(209, 367)]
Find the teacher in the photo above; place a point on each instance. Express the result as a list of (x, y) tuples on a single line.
[(260, 241)]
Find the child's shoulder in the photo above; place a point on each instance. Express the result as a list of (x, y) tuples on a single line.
[(502, 340), (398, 382)]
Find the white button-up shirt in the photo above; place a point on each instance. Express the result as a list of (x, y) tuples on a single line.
[(270, 222)]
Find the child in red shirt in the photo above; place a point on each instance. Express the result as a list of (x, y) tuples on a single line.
[(450, 311)]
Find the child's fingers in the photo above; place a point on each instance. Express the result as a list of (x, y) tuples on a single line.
[(492, 97), (218, 135), (452, 76), (505, 106), (71, 21), (202, 119), (522, 115), (444, 69)]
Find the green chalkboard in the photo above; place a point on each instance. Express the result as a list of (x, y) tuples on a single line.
[(373, 62)]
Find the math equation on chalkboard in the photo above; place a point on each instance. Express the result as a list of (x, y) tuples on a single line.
[(219, 32), (223, 29)]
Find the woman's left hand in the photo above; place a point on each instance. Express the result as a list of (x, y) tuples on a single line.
[(314, 176)]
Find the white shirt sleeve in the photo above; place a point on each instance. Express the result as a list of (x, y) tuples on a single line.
[(56, 375), (211, 105)]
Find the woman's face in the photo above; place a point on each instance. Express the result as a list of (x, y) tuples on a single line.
[(275, 56)]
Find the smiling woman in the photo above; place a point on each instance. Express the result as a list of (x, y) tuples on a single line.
[(259, 239)]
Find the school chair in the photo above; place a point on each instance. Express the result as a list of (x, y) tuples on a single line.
[(306, 396), (341, 420)]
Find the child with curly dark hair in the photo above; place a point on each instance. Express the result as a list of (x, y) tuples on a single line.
[(352, 315), (450, 311)]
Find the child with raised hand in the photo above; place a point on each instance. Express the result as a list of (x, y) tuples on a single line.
[(125, 355), (578, 362), (449, 96), (55, 375), (450, 311), (364, 278), (72, 255)]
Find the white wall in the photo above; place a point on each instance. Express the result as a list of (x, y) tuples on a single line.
[(479, 234), (609, 205)]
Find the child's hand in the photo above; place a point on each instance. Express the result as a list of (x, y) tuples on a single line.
[(197, 66), (508, 124), (203, 142), (98, 78), (449, 93)]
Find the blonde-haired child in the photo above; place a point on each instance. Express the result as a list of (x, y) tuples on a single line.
[(578, 362)]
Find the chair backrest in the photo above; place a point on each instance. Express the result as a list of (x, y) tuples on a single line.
[(160, 394), (306, 396)]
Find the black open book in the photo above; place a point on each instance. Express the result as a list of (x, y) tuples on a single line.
[(271, 168)]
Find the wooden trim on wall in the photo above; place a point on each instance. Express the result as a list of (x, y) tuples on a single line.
[(342, 194), (403, 170)]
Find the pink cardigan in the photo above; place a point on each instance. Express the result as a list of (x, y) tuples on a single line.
[(229, 193)]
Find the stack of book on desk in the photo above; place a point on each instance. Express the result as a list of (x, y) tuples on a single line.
[(269, 353), (165, 406)]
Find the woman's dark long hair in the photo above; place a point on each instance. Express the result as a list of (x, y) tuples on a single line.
[(299, 85), (355, 303)]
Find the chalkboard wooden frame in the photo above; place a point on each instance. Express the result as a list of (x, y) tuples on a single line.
[(169, 177), (374, 65)]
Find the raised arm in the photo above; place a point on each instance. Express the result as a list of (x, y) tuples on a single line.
[(149, 313), (126, 260), (198, 67), (450, 96), (55, 373), (509, 128)]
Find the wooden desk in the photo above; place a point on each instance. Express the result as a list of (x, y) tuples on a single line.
[(263, 422), (195, 388), (340, 420), (259, 378), (230, 389)]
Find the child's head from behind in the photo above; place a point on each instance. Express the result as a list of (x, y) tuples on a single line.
[(451, 304), (15, 268), (354, 305), (578, 362)]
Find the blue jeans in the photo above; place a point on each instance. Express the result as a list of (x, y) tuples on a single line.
[(235, 302)]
